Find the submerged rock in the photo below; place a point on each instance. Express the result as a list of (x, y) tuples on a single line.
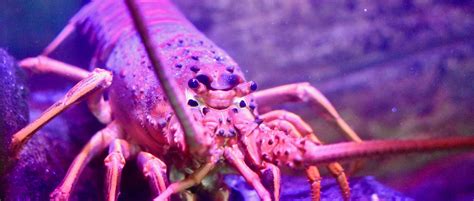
[(13, 107), (296, 188)]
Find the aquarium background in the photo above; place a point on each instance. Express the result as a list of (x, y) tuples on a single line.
[(394, 69)]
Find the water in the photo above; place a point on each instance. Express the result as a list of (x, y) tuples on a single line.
[(393, 69)]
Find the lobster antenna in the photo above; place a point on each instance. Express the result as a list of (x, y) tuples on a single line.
[(194, 137), (351, 150)]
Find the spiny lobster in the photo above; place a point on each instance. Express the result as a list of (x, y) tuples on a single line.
[(220, 126)]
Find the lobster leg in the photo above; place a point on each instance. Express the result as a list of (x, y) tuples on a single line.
[(298, 124), (271, 178), (306, 93), (119, 151), (98, 106), (314, 178), (97, 80), (95, 145), (195, 178), (290, 121), (312, 172), (235, 158), (154, 170), (338, 172), (45, 64)]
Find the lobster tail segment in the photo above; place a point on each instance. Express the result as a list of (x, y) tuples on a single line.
[(351, 150)]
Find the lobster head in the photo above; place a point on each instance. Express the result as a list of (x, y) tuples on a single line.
[(227, 110), (217, 96)]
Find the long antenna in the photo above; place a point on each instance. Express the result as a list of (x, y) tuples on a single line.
[(195, 138), (351, 150)]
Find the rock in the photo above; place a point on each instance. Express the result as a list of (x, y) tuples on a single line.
[(13, 106), (297, 188), (44, 159)]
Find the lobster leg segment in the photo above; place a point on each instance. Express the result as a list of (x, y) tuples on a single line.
[(294, 119), (298, 126), (235, 158), (119, 151), (96, 144), (97, 80), (306, 93), (43, 64), (154, 170), (289, 122), (195, 178), (99, 107), (314, 178), (338, 172), (271, 178)]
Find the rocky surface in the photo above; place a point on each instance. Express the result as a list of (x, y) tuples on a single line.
[(13, 106), (297, 188)]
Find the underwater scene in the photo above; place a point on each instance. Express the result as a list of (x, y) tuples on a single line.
[(237, 100)]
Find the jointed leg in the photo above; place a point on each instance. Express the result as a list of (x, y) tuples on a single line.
[(271, 178), (100, 108), (312, 172), (119, 151), (290, 122), (195, 178), (154, 170), (95, 145), (338, 172), (234, 157), (98, 80), (314, 179), (43, 64), (306, 93)]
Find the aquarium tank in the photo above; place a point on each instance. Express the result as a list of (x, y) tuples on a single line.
[(381, 70)]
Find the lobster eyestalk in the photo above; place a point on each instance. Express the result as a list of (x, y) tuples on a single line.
[(317, 154)]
